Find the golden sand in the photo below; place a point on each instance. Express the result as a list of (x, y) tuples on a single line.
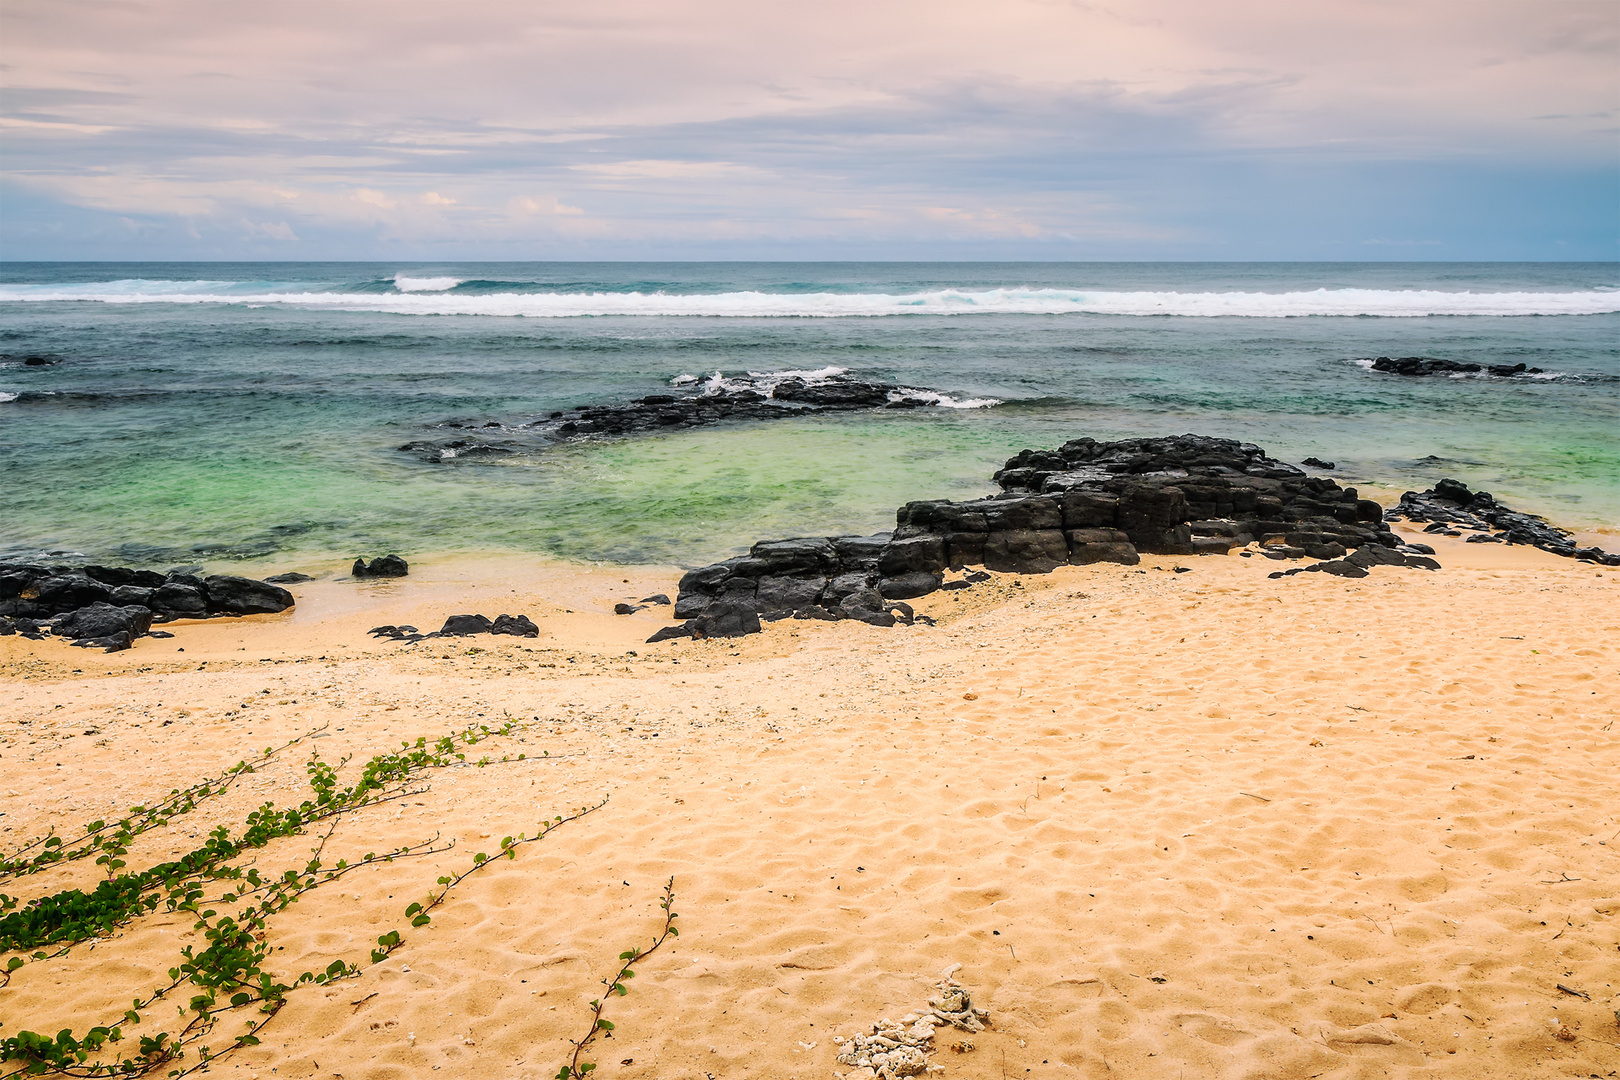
[(1199, 824)]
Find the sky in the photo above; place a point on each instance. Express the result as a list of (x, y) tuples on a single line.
[(767, 129)]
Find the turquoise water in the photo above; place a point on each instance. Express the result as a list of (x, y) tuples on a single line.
[(244, 410)]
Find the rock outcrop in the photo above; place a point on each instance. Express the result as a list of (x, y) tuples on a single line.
[(754, 397), (1085, 502), (111, 606), (382, 566), (1450, 508), (1428, 365), (463, 626)]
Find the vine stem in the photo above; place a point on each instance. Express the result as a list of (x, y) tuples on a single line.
[(574, 1070), (16, 864)]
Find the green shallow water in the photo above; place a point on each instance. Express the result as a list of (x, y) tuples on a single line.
[(688, 497)]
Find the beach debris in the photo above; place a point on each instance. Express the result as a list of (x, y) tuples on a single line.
[(627, 609), (382, 566), (896, 1048), (1365, 1035), (1450, 506)]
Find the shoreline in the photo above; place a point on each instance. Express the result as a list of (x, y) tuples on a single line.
[(571, 602)]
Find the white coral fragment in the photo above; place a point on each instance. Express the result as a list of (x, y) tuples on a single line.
[(900, 1048)]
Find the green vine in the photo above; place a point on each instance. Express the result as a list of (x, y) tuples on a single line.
[(231, 967), (224, 973), (74, 915), (577, 1069), (112, 840)]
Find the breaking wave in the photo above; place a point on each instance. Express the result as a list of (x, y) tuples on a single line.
[(425, 284), (441, 296)]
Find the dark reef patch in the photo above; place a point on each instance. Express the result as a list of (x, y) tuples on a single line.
[(755, 397)]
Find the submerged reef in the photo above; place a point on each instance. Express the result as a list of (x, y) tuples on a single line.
[(754, 397)]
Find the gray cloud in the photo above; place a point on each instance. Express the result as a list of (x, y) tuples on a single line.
[(1056, 130)]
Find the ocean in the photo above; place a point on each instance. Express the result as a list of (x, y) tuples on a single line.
[(166, 413)]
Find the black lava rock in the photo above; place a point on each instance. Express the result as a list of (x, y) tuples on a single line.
[(125, 595), (180, 599), (245, 596), (110, 643), (465, 626), (515, 625), (94, 602), (1085, 502), (750, 398), (1089, 502), (1450, 506), (909, 586), (102, 620), (1428, 365), (726, 619), (384, 566), (66, 592)]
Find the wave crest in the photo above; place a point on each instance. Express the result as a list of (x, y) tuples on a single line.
[(425, 284), (435, 296)]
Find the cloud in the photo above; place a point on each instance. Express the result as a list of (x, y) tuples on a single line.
[(1043, 126), (529, 206), (53, 127), (669, 170), (994, 222), (279, 230), (374, 198)]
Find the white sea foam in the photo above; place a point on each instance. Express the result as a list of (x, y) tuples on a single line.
[(944, 401), (821, 374), (4, 397), (126, 290), (1394, 303), (764, 382), (425, 284)]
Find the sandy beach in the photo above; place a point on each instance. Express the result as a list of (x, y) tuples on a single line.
[(1169, 824)]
